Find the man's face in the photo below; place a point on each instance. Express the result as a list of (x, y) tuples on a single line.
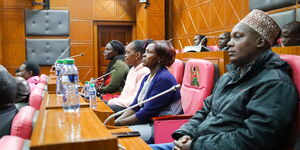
[(243, 45), (223, 40), (289, 38), (197, 40), (24, 73)]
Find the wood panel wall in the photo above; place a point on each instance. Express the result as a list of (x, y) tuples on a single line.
[(1, 31), (150, 22), (208, 17), (83, 15)]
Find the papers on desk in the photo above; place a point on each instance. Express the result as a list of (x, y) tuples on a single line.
[(192, 49)]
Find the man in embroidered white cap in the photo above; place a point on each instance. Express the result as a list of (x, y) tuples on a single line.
[(253, 104)]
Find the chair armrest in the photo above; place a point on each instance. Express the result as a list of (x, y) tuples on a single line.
[(172, 117)]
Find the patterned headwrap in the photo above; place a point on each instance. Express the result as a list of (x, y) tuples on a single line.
[(263, 24)]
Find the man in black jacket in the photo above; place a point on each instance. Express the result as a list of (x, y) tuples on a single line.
[(253, 104), (8, 92)]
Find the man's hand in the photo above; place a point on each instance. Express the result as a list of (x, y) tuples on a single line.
[(183, 143)]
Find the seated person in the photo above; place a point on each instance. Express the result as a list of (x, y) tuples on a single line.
[(133, 57), (223, 40), (201, 40), (114, 83), (30, 71), (253, 104), (291, 34), (17, 72), (23, 92), (158, 56), (8, 92)]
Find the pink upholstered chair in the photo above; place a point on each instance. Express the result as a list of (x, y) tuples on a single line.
[(11, 143), (22, 122), (41, 86), (213, 47), (35, 97), (198, 82), (294, 62), (177, 69), (43, 78)]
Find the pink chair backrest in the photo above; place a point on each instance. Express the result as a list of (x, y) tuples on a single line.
[(35, 98), (294, 62), (177, 69), (40, 86), (43, 78), (22, 122), (11, 143), (198, 82), (213, 47)]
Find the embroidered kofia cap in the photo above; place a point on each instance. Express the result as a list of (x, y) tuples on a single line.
[(263, 24)]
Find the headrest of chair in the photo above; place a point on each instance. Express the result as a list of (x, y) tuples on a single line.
[(46, 51), (294, 62), (177, 69), (194, 70), (47, 22), (285, 17), (270, 5)]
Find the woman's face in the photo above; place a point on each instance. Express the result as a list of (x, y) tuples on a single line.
[(109, 52), (131, 56), (150, 57)]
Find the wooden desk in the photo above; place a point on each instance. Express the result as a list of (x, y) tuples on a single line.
[(103, 111), (219, 58), (56, 130), (53, 101), (292, 50), (51, 83), (131, 143)]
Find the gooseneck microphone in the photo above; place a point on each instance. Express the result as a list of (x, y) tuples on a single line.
[(62, 54), (200, 44), (173, 88), (95, 80), (74, 56)]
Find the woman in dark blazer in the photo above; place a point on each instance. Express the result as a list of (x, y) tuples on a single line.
[(158, 56)]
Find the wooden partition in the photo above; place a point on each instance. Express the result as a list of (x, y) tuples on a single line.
[(292, 50), (56, 130), (207, 17), (220, 58)]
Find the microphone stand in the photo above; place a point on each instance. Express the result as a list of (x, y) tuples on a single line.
[(103, 76), (78, 55), (204, 39), (173, 88), (51, 70)]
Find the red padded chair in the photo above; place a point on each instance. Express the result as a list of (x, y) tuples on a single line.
[(177, 69), (22, 122), (11, 143), (213, 47), (198, 82), (294, 62), (43, 78), (36, 95)]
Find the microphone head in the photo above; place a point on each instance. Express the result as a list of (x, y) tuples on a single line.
[(113, 71), (82, 54)]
